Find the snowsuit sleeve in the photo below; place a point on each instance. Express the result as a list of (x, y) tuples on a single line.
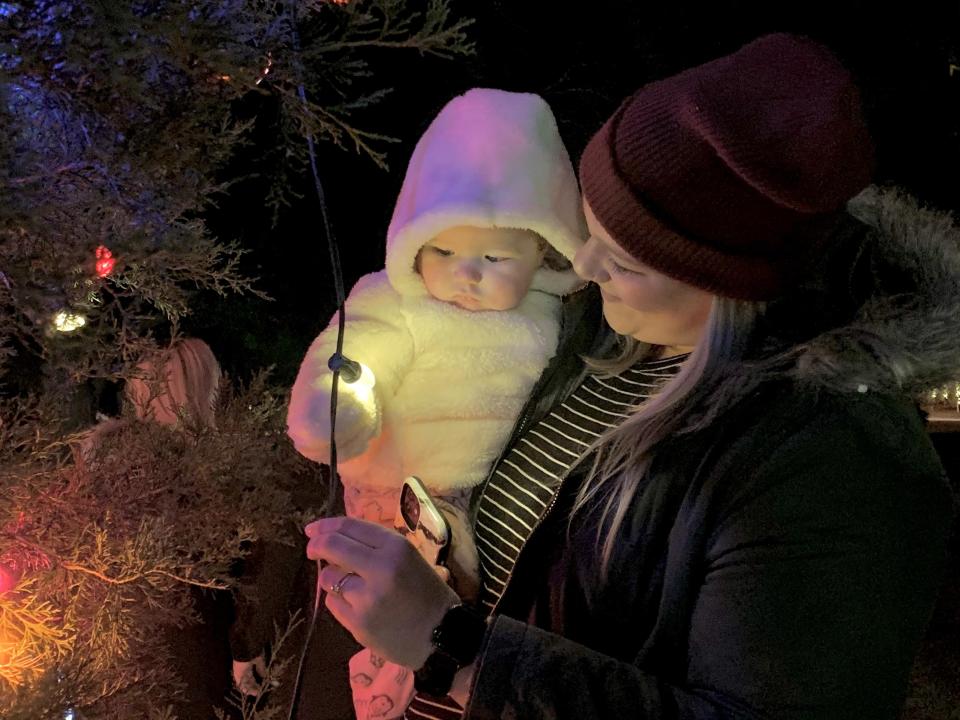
[(376, 335)]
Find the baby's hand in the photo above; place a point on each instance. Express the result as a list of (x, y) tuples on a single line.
[(246, 674), (443, 572), (357, 421)]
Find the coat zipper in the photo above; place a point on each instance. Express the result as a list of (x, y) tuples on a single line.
[(546, 511), (543, 516)]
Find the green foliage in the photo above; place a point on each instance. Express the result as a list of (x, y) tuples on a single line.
[(110, 544), (124, 123), (120, 121)]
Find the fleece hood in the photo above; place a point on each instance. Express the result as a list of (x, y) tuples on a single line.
[(490, 158)]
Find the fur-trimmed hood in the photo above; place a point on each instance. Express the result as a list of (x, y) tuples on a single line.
[(490, 158), (885, 313)]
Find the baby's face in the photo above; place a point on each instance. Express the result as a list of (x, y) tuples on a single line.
[(480, 268)]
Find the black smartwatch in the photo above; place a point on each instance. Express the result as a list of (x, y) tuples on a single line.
[(456, 642)]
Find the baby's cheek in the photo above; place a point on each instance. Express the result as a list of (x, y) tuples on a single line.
[(512, 287)]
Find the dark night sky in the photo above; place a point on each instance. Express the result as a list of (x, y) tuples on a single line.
[(583, 60)]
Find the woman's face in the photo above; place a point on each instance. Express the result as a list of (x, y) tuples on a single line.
[(637, 300)]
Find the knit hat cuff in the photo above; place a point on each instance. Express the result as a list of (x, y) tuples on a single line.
[(625, 214)]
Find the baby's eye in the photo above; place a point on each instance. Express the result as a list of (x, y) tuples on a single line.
[(440, 251), (494, 258)]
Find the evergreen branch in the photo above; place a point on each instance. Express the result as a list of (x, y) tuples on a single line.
[(411, 43), (359, 137), (63, 169), (275, 669), (136, 577), (31, 635), (121, 127)]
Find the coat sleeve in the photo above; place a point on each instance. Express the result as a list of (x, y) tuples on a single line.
[(819, 573), (375, 335)]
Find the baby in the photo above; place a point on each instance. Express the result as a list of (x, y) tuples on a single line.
[(458, 327)]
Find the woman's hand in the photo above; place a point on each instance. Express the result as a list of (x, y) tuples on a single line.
[(393, 600)]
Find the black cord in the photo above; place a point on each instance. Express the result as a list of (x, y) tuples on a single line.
[(338, 363)]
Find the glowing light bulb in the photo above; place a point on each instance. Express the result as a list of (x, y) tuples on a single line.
[(66, 322), (362, 388), (366, 378)]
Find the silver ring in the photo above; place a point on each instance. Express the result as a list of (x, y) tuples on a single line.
[(337, 588)]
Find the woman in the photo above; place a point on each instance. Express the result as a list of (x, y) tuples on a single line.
[(760, 537), (180, 384)]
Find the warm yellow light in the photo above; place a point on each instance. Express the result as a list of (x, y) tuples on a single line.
[(362, 389), (68, 322), (18, 661)]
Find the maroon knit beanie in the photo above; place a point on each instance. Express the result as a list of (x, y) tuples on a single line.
[(730, 175)]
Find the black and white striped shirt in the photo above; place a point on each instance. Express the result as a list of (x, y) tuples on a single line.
[(526, 479)]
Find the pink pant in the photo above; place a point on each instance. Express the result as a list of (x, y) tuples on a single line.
[(381, 689)]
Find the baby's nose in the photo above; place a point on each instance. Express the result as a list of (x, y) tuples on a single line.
[(468, 271)]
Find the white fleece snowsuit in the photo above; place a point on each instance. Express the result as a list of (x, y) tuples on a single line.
[(449, 382)]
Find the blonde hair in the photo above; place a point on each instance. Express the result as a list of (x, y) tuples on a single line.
[(183, 380), (623, 455)]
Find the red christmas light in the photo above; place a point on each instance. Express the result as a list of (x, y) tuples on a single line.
[(9, 577), (105, 261)]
